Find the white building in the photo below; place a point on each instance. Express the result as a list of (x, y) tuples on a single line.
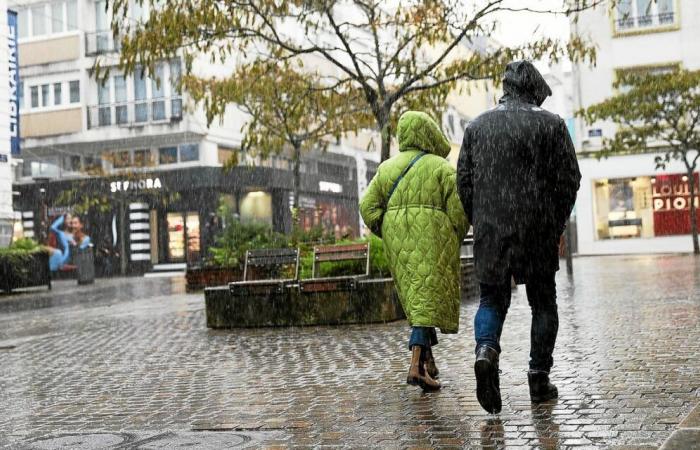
[(136, 142), (624, 204)]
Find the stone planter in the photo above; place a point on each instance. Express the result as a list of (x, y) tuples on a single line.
[(374, 301), (199, 278), (33, 272)]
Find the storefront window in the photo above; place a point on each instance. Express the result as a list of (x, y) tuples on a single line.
[(642, 207), (256, 207)]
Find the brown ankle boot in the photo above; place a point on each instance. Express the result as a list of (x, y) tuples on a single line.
[(417, 375), (430, 364)]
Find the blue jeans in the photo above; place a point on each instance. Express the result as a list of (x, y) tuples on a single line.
[(426, 337), (493, 307)]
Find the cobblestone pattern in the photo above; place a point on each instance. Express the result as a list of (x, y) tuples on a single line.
[(627, 365)]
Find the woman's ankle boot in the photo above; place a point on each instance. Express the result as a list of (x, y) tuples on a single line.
[(430, 366), (417, 375)]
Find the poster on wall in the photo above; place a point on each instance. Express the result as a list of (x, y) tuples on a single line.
[(14, 81), (671, 198)]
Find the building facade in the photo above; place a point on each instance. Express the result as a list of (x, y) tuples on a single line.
[(624, 204), (138, 145)]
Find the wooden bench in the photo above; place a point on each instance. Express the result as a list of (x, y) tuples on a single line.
[(271, 261), (336, 253)]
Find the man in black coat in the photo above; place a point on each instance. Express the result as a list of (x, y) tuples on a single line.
[(517, 177)]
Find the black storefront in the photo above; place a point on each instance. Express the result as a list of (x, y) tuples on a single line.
[(170, 216)]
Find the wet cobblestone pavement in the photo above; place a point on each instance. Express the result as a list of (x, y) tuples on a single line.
[(130, 364)]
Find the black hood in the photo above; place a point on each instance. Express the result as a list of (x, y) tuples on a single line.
[(524, 82)]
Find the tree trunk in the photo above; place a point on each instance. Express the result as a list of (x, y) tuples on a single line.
[(296, 174), (385, 130), (693, 212)]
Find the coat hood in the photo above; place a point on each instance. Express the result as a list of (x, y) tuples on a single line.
[(418, 131), (524, 82)]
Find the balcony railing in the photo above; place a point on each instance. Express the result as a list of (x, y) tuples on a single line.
[(100, 42), (647, 20), (136, 113)]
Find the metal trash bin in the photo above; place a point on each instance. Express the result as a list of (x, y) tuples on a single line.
[(85, 262)]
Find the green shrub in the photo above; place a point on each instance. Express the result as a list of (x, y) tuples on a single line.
[(18, 257), (239, 237)]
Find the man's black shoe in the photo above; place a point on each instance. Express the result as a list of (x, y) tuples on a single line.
[(488, 391), (541, 389)]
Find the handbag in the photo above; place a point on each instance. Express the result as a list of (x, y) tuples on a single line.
[(385, 204)]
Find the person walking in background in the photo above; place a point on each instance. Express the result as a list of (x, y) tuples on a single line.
[(60, 255), (80, 239), (412, 204), (518, 176)]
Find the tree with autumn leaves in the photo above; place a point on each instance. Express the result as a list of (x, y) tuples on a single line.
[(656, 113), (394, 55), (287, 109)]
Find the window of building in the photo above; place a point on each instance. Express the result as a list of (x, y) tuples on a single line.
[(121, 159), (71, 15), (140, 96), (23, 23), (634, 15), (121, 108), (39, 17), (105, 109), (167, 155), (143, 158), (45, 95), (158, 93), (56, 17), (71, 163), (92, 164), (642, 207), (57, 95), (74, 87), (34, 94), (189, 152), (45, 19), (649, 70), (225, 154)]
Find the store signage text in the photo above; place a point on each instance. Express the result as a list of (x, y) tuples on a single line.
[(135, 185), (672, 196), (671, 199), (14, 81)]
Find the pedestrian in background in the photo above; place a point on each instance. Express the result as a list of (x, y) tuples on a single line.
[(412, 204), (518, 176)]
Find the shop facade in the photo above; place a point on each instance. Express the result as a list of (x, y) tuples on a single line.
[(625, 206), (170, 216)]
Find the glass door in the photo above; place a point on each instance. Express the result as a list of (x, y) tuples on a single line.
[(176, 236), (192, 232)]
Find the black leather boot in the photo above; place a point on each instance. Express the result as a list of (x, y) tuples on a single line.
[(488, 390), (541, 389)]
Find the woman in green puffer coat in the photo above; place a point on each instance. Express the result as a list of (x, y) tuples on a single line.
[(422, 223)]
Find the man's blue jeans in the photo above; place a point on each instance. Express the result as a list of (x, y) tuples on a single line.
[(493, 307), (426, 337)]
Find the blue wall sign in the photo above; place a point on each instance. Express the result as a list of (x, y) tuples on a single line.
[(14, 81)]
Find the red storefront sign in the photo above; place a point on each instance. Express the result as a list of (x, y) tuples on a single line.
[(671, 198)]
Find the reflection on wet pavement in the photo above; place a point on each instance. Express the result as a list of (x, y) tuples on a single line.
[(133, 355)]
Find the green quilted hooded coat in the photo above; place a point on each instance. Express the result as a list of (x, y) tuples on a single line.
[(423, 225)]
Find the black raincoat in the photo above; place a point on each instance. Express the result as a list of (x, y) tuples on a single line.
[(517, 177)]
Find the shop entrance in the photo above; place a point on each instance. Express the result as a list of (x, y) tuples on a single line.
[(182, 237)]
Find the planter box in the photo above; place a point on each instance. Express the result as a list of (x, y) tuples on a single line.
[(374, 301), (201, 277), (34, 272)]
